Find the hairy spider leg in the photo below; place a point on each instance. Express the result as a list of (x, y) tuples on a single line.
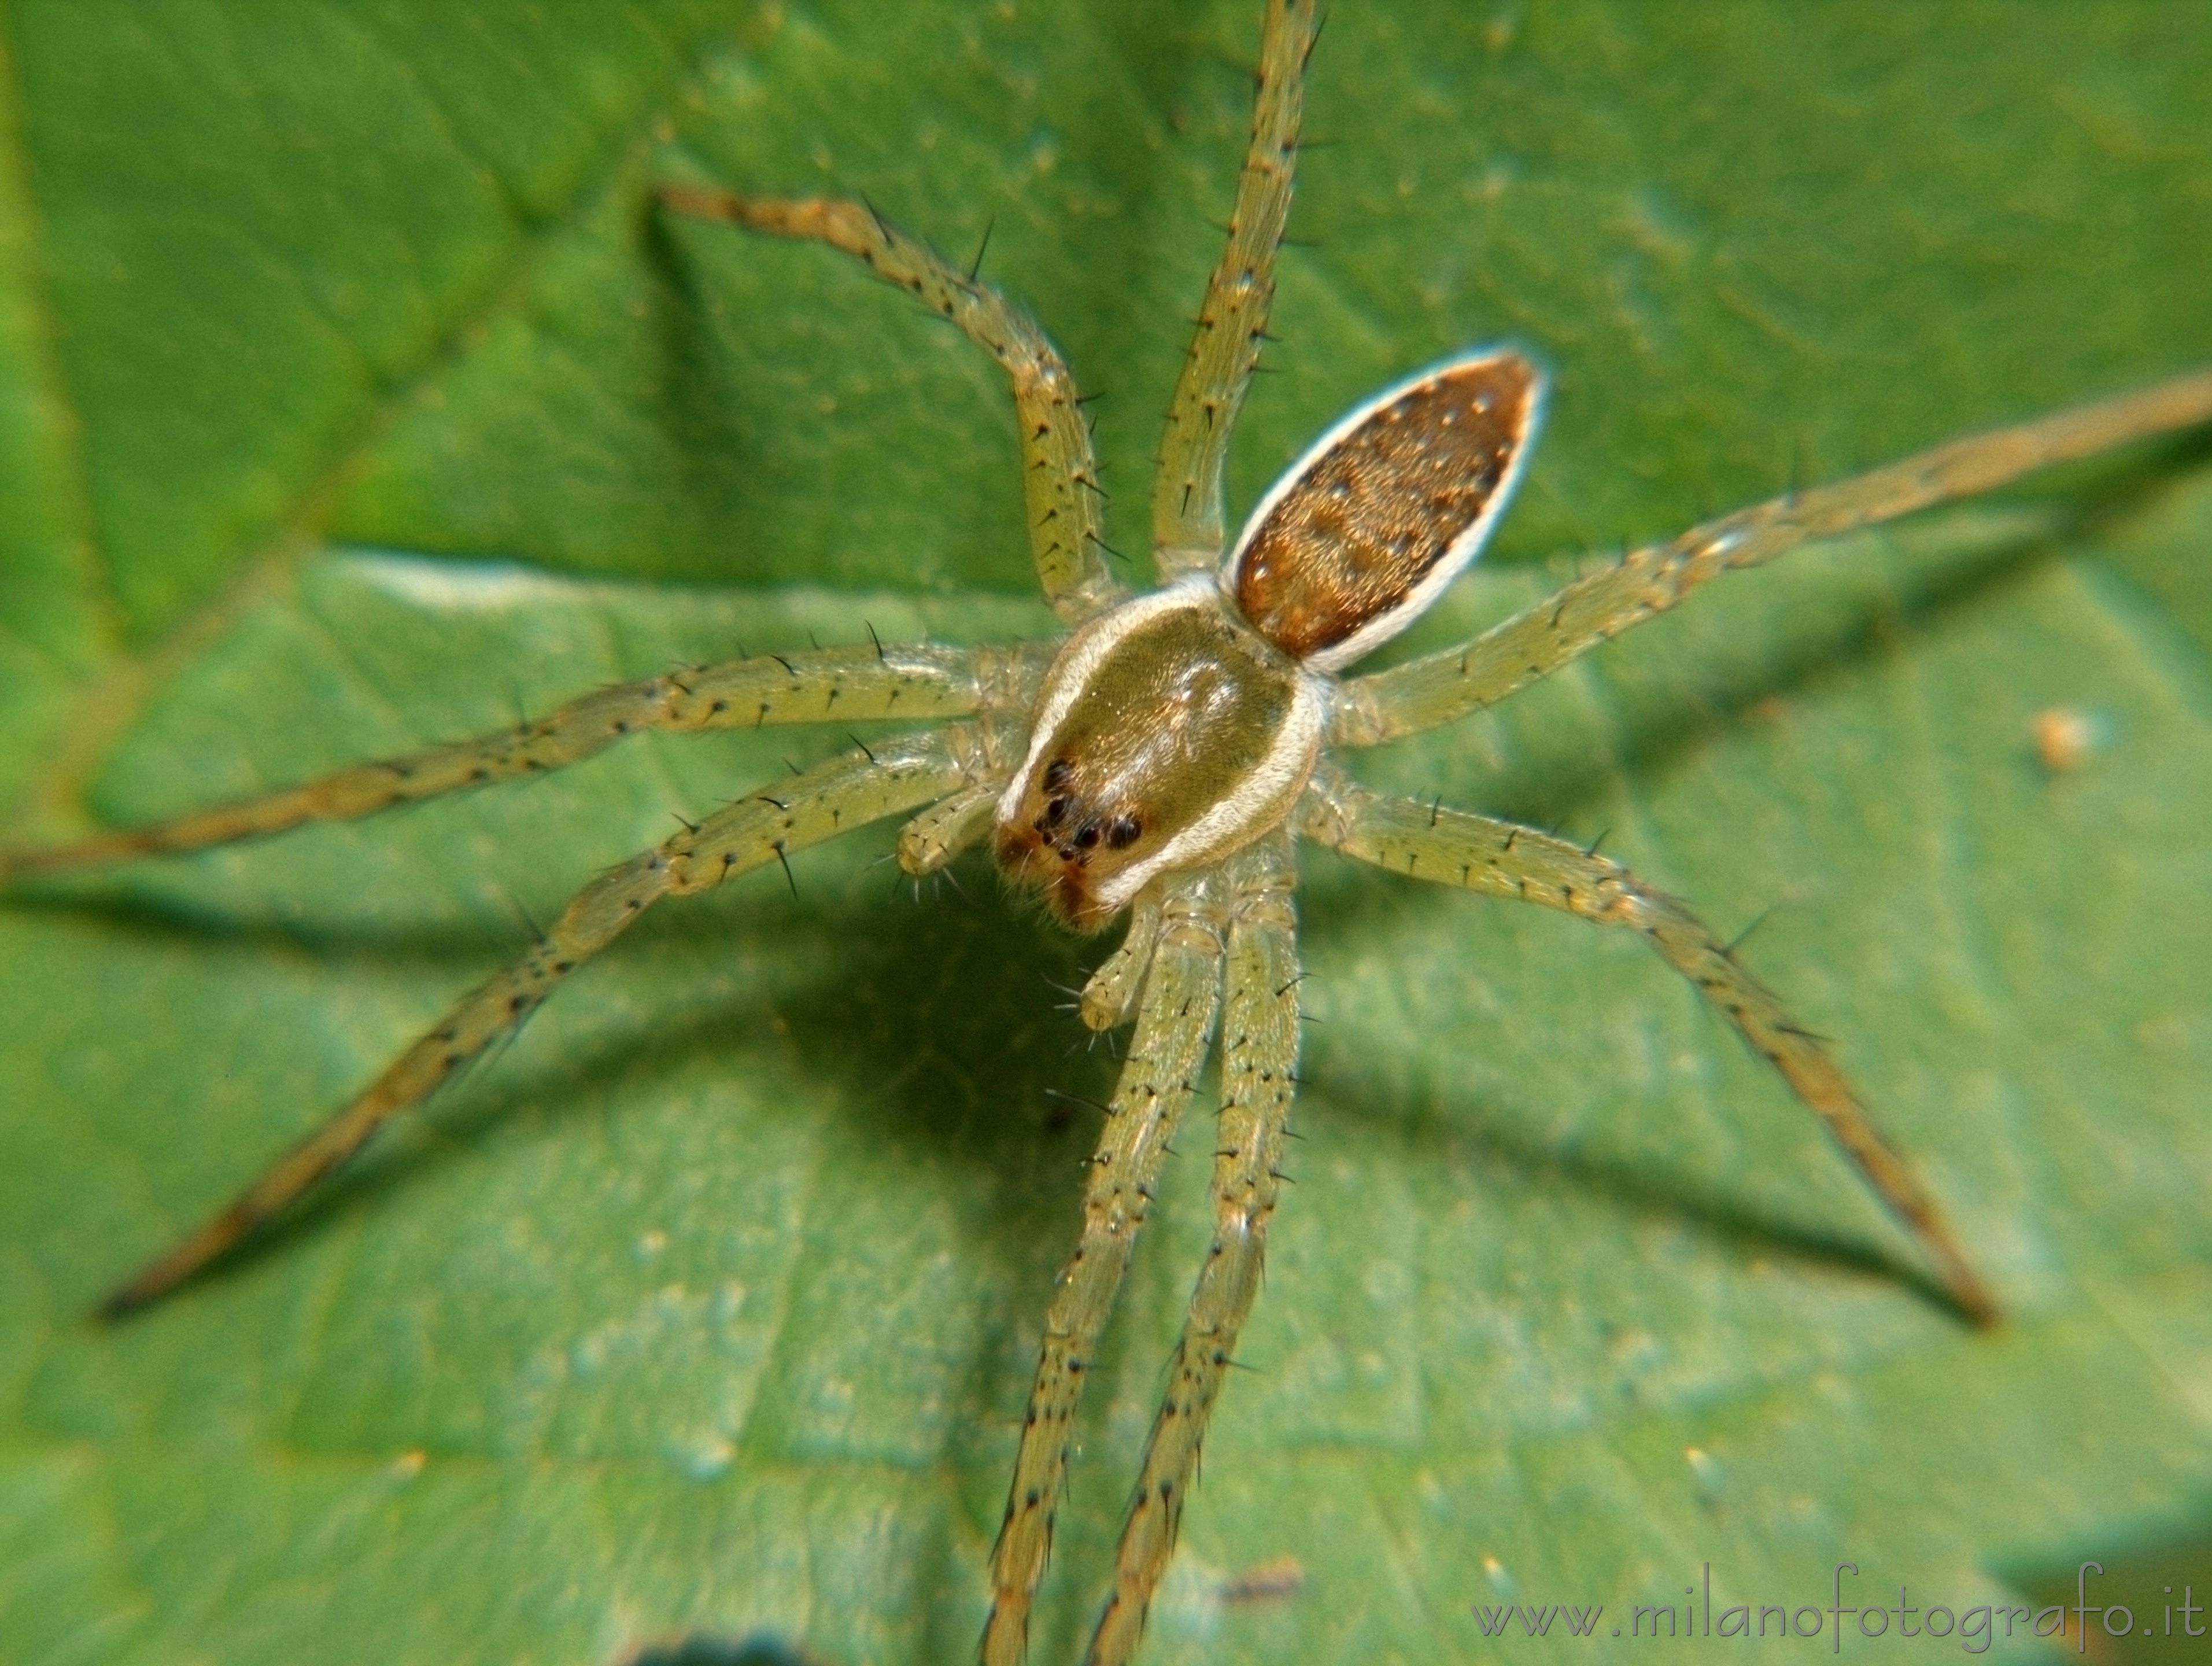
[(1188, 534), (1259, 1063), (1440, 687), (1175, 1028), (824, 685), (1502, 859), (846, 793), (1060, 476)]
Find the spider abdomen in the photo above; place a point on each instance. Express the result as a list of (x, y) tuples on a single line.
[(1362, 533), (1168, 734)]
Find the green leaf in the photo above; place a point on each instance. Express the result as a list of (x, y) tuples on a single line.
[(351, 397)]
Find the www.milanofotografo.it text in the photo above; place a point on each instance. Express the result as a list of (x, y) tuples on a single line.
[(1973, 1629)]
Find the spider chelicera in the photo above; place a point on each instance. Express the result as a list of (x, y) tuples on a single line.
[(1159, 762)]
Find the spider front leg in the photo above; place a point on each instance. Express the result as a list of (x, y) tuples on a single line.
[(1259, 1060), (1456, 847), (1232, 320), (1058, 473), (1175, 1025), (819, 686), (1443, 686), (832, 798)]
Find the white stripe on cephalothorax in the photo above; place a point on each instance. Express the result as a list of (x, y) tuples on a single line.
[(1084, 650)]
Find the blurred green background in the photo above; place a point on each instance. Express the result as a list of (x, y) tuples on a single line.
[(350, 399)]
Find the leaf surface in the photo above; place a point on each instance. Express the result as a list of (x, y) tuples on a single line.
[(351, 399)]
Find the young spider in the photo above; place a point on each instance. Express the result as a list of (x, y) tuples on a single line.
[(1156, 763)]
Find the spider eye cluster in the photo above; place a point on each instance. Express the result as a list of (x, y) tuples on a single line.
[(1179, 726), (1070, 828)]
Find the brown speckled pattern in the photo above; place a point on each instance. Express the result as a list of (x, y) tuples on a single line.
[(1379, 509)]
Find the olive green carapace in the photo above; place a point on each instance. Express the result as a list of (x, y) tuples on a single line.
[(1167, 735), (1159, 762)]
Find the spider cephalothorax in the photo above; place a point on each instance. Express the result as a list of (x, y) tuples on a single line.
[(1156, 763), (1168, 734), (1179, 726)]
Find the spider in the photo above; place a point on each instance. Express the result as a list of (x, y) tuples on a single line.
[(1158, 763)]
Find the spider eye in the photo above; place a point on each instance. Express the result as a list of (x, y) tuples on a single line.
[(1125, 832), (1058, 774), (1086, 835)]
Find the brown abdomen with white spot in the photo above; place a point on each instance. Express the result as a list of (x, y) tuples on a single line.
[(1365, 530), (1168, 734)]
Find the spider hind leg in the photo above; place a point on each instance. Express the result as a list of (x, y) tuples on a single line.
[(813, 687), (1259, 1062), (1175, 1030), (1449, 684), (846, 793), (1500, 859)]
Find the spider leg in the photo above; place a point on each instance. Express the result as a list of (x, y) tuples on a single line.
[(1426, 692), (1060, 475), (1232, 321), (826, 684), (1175, 1026), (1259, 1057), (830, 799), (1456, 847)]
